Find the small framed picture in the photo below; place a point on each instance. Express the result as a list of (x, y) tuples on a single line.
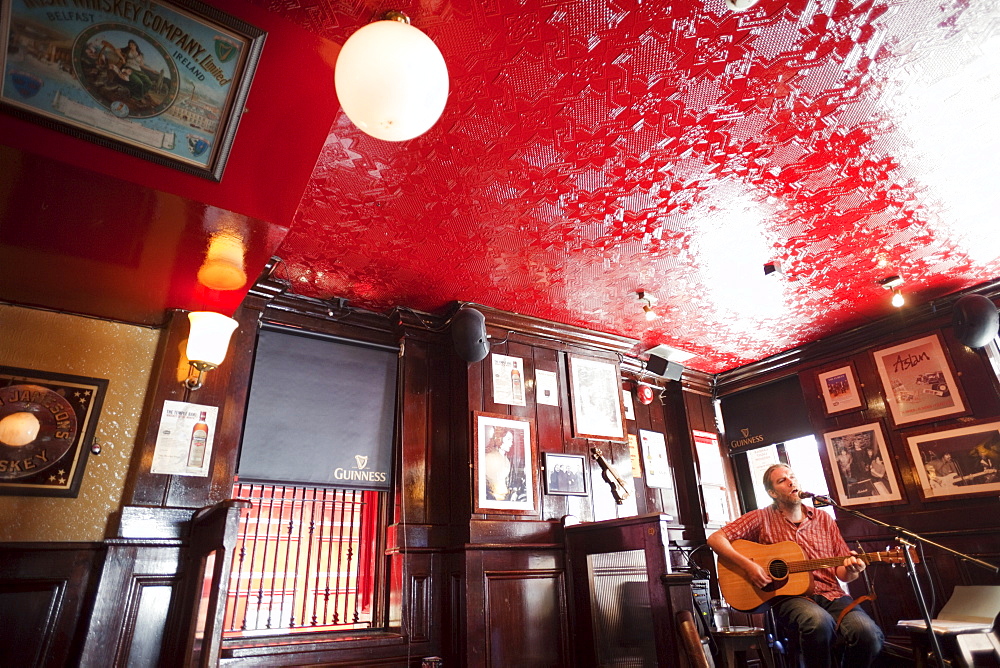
[(918, 381), (504, 464), (565, 474), (964, 461), (862, 468), (840, 390)]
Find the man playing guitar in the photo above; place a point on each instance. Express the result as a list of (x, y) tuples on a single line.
[(814, 616)]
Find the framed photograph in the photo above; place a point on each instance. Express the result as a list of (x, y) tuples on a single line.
[(504, 464), (958, 462), (47, 425), (862, 467), (595, 386), (917, 381), (840, 391), (565, 474), (164, 80)]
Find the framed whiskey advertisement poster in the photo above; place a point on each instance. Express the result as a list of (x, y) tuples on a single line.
[(47, 424)]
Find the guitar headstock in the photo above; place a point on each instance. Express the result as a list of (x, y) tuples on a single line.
[(892, 556)]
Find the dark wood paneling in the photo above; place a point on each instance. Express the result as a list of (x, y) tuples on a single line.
[(43, 593), (444, 563), (525, 614), (507, 593), (133, 603)]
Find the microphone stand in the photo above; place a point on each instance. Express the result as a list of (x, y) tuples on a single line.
[(909, 539)]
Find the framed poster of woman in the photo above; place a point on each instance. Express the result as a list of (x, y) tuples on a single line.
[(504, 464)]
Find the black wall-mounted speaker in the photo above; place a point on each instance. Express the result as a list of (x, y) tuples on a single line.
[(468, 334), (664, 367), (975, 320)]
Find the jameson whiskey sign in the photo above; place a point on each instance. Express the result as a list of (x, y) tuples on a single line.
[(166, 81), (48, 423), (184, 440)]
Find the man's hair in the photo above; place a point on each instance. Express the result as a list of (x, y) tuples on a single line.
[(768, 486)]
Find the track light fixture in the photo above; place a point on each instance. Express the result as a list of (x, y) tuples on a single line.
[(892, 283), (648, 301)]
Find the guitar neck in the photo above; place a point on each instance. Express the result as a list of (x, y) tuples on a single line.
[(830, 562)]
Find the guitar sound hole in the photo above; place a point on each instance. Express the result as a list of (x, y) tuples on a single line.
[(778, 569)]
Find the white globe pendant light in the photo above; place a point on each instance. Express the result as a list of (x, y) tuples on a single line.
[(391, 79)]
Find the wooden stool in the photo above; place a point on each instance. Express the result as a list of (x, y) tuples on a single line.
[(741, 639)]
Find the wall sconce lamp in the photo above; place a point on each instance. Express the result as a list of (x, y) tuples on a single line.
[(207, 344), (391, 79), (893, 283), (648, 301)]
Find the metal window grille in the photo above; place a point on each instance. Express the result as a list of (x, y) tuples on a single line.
[(305, 560)]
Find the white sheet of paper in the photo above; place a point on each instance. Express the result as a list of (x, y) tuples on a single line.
[(546, 388), (654, 459), (629, 405)]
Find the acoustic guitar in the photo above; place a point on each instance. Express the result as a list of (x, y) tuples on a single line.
[(790, 570)]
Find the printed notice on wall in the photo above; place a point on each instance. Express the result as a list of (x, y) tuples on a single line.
[(184, 440), (654, 458), (508, 380), (546, 388), (629, 405)]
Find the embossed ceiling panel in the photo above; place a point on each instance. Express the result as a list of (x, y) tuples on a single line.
[(594, 148)]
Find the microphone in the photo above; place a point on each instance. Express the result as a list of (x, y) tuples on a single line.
[(818, 499)]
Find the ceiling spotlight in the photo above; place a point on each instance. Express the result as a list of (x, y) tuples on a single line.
[(647, 301), (893, 283)]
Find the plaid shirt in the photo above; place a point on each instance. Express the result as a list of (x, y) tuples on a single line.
[(817, 535)]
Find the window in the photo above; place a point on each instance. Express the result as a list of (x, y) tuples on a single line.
[(315, 463), (801, 454), (304, 561)]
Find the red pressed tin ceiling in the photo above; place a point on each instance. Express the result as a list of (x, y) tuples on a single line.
[(591, 149)]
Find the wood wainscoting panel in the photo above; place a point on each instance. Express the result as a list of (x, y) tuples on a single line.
[(420, 607), (526, 617), (43, 588)]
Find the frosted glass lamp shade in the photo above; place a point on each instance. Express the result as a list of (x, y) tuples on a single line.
[(391, 80), (208, 340)]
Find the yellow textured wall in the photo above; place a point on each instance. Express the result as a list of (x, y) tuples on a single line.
[(60, 343)]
